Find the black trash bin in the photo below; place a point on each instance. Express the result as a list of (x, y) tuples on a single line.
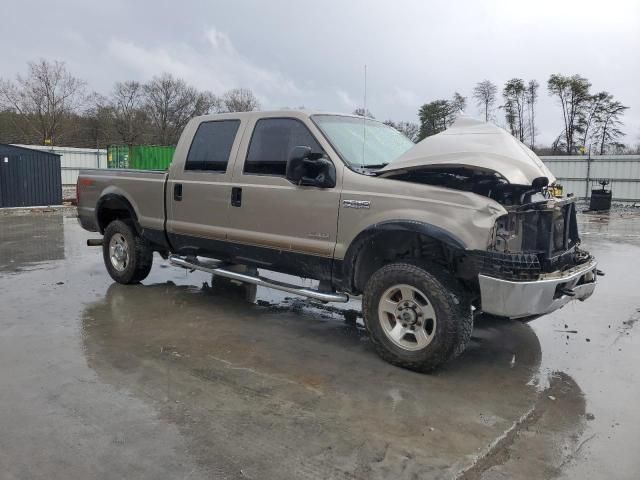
[(601, 197)]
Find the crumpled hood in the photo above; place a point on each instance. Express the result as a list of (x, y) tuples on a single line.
[(471, 142)]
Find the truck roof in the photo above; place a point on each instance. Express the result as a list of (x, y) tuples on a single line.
[(275, 113)]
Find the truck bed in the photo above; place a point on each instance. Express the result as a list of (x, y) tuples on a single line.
[(144, 189)]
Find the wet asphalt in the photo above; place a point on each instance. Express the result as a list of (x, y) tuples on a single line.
[(182, 377)]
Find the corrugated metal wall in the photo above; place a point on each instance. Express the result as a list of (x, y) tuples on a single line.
[(579, 174), (74, 159), (29, 178), (571, 171)]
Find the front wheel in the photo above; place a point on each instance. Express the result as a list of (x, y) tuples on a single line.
[(127, 256), (418, 317)]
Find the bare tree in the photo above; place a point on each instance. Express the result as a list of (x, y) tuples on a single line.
[(44, 98), (129, 119), (409, 129), (592, 111), (573, 95), (607, 124), (361, 113), (514, 93), (96, 122), (9, 127), (207, 102), (458, 103), (531, 97), (484, 93), (170, 103), (240, 100)]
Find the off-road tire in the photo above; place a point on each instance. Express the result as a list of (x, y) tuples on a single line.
[(448, 299), (140, 253)]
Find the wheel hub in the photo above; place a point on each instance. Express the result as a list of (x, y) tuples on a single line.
[(407, 317), (119, 252)]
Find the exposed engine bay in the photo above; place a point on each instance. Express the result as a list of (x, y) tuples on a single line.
[(537, 236), (483, 182)]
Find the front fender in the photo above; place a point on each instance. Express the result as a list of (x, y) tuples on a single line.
[(401, 226)]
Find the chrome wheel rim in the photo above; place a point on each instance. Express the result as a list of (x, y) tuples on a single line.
[(407, 317), (119, 252)]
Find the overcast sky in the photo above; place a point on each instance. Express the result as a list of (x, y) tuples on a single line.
[(311, 53)]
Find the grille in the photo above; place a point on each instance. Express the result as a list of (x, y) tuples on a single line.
[(510, 266), (531, 240)]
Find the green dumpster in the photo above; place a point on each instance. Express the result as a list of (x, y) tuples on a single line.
[(140, 157)]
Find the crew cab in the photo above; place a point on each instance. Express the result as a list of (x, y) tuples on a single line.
[(429, 234)]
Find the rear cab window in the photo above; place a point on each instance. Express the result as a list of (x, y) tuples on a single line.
[(211, 146), (272, 141)]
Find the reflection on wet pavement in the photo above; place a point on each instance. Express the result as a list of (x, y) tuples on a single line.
[(619, 225), (293, 391), (183, 377), (27, 243)]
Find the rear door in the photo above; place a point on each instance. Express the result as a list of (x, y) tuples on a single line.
[(282, 226), (199, 189)]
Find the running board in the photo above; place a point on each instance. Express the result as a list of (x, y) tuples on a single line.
[(213, 268)]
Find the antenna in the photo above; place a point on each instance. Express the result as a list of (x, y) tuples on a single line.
[(364, 115)]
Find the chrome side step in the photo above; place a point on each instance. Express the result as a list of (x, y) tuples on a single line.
[(213, 268)]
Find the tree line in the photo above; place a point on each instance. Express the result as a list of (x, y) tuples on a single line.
[(591, 121), (49, 105)]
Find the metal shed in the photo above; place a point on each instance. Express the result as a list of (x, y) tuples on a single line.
[(29, 178)]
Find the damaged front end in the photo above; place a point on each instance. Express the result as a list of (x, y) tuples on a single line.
[(533, 239), (534, 263)]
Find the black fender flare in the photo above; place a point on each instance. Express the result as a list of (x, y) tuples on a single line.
[(119, 200), (413, 226)]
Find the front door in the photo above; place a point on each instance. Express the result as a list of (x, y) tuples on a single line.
[(279, 225)]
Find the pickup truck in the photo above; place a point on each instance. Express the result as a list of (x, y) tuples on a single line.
[(429, 234)]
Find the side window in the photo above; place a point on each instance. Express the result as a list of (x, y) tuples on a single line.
[(211, 146), (271, 142)]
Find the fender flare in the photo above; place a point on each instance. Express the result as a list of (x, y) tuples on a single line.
[(122, 201), (412, 226)]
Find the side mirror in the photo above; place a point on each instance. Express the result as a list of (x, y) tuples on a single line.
[(305, 167)]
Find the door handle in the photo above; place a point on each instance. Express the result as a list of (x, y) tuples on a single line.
[(177, 192), (236, 196)]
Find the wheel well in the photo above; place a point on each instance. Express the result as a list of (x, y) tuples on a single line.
[(114, 207), (382, 247)]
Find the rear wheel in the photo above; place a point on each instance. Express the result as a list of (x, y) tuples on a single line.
[(418, 316), (127, 256)]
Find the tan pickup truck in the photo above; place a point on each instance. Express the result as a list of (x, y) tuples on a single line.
[(429, 234)]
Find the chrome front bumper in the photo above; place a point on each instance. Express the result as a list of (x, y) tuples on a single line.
[(511, 299)]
